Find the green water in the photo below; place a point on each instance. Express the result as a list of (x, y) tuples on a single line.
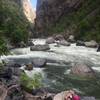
[(58, 80)]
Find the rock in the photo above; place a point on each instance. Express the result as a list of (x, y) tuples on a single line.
[(59, 37), (40, 47), (92, 44), (9, 46), (88, 98), (60, 96), (50, 40), (16, 71), (30, 43), (98, 50), (3, 91), (28, 96), (50, 11), (64, 43), (29, 67), (71, 39), (6, 73), (22, 44), (80, 43), (12, 64), (14, 93), (39, 62), (82, 70)]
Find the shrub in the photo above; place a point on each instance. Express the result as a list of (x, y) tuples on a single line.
[(31, 83)]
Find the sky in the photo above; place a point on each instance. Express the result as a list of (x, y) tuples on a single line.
[(33, 2)]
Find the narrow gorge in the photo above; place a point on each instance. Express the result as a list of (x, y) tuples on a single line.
[(47, 50)]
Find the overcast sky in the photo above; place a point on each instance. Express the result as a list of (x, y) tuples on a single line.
[(34, 3)]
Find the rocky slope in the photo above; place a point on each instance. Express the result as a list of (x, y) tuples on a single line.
[(28, 10), (14, 25), (79, 17)]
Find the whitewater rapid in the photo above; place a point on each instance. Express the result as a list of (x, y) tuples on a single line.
[(66, 54)]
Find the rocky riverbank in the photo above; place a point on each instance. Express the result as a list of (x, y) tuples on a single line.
[(75, 63)]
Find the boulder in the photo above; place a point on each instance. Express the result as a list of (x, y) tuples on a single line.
[(39, 62), (40, 47), (63, 42), (50, 40), (21, 44), (92, 44), (29, 67), (98, 50), (30, 43), (80, 43), (6, 73), (82, 70), (12, 64), (59, 37), (71, 39)]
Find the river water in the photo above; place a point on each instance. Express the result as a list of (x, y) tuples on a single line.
[(60, 60)]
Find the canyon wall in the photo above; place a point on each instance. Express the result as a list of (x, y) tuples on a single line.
[(29, 10), (78, 17)]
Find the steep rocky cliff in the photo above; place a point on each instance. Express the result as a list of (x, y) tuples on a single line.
[(79, 17), (28, 10)]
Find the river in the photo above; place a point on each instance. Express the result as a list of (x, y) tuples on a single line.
[(56, 73)]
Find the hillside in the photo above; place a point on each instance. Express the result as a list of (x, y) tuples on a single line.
[(13, 24), (78, 17)]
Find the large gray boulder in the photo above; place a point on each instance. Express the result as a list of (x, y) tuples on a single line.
[(92, 44), (59, 37), (40, 47), (64, 43), (82, 70), (39, 62), (71, 39), (50, 40), (30, 43)]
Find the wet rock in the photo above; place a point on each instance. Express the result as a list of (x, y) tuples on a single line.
[(30, 43), (64, 43), (40, 48), (12, 64), (21, 45), (14, 93), (59, 37), (98, 50), (80, 43), (16, 71), (39, 62), (92, 44), (88, 98), (50, 40), (6, 73), (82, 70), (71, 39), (28, 96), (29, 67)]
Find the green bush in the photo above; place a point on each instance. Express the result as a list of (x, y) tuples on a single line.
[(3, 47), (31, 83), (13, 23)]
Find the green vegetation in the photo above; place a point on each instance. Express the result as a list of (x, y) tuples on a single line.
[(84, 22), (13, 24), (31, 83)]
